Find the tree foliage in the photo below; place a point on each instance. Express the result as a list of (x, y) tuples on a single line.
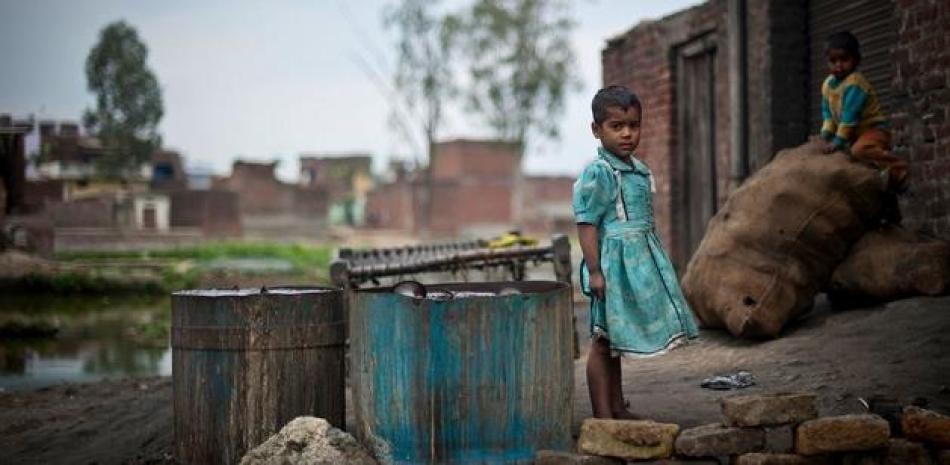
[(521, 65), (128, 99), (423, 76)]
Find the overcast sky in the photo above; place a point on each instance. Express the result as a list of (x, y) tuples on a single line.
[(263, 80)]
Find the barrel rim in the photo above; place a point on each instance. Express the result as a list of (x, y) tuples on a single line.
[(527, 288), (257, 291)]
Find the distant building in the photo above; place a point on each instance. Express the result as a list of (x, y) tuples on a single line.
[(547, 205), (472, 194), (67, 156), (394, 204), (473, 186), (271, 208), (13, 163), (346, 179), (168, 172)]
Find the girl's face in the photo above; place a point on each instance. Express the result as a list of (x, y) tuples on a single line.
[(841, 63), (619, 133)]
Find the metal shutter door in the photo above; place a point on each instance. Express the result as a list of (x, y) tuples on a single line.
[(874, 24)]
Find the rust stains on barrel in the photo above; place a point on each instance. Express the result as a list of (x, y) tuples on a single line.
[(483, 379), (247, 361)]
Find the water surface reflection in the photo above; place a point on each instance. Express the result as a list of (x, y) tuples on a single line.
[(96, 338)]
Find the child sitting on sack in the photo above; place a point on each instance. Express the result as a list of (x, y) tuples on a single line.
[(852, 118)]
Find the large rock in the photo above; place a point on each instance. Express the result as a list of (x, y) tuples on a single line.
[(627, 439), (309, 441), (775, 242), (757, 458), (926, 426), (775, 409), (841, 434), (716, 440)]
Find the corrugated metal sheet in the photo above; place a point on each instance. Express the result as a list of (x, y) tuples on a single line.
[(875, 26)]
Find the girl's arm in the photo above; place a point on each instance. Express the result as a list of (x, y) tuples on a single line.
[(587, 234)]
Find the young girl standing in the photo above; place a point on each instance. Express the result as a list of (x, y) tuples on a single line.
[(637, 306)]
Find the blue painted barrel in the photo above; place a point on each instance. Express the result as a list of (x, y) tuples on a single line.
[(476, 379), (245, 362)]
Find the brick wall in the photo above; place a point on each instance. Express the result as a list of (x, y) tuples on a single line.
[(777, 87), (473, 186), (547, 204), (257, 187), (463, 158), (40, 192), (216, 213), (94, 212), (777, 71), (390, 206), (921, 117), (479, 204), (643, 59)]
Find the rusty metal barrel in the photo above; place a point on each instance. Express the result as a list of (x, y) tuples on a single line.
[(480, 378), (247, 361)]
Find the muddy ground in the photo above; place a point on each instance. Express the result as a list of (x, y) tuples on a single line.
[(901, 349)]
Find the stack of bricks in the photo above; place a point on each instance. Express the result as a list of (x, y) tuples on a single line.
[(782, 429)]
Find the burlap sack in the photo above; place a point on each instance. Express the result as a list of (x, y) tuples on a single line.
[(891, 263), (775, 242)]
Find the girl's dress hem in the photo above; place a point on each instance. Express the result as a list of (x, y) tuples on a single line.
[(676, 341)]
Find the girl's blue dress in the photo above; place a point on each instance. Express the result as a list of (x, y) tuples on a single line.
[(644, 311)]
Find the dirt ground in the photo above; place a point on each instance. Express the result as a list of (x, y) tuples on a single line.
[(901, 349)]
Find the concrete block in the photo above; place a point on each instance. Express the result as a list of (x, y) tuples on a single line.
[(842, 434), (715, 440), (904, 452), (780, 439), (867, 458), (757, 458), (551, 457), (775, 409), (627, 439), (926, 426)]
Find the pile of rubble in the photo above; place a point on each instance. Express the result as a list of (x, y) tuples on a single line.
[(782, 429)]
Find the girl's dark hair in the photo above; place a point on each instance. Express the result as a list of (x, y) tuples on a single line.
[(613, 96), (846, 41)]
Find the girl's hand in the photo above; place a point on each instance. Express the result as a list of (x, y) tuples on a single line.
[(598, 285)]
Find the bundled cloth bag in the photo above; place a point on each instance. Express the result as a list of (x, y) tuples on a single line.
[(892, 263), (777, 239)]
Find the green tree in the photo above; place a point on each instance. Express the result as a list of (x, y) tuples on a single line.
[(423, 76), (521, 65), (128, 99)]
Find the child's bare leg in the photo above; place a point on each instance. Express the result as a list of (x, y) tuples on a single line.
[(598, 378), (617, 408)]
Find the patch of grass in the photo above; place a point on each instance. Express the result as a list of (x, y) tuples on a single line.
[(181, 268), (78, 283), (303, 258)]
